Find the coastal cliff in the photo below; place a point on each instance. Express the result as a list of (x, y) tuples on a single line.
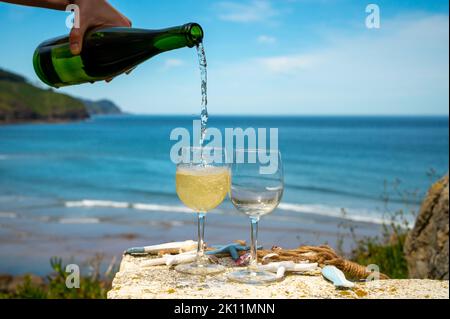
[(102, 107), (426, 247), (21, 101)]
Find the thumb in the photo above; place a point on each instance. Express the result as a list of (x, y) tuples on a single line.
[(76, 40)]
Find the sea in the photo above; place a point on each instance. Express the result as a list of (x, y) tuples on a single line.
[(95, 188)]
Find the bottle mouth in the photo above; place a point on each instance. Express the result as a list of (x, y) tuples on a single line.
[(194, 34)]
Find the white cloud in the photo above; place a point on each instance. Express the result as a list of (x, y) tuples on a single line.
[(401, 68), (266, 39), (173, 63), (253, 11)]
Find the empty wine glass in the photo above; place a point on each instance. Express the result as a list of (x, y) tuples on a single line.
[(256, 190), (202, 183)]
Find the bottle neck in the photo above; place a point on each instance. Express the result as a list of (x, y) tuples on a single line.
[(187, 35)]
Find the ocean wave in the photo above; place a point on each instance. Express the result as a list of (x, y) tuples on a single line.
[(162, 208), (8, 215), (87, 203), (79, 220), (3, 157), (357, 215), (97, 203)]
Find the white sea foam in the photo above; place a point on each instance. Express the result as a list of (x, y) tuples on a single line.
[(357, 215), (79, 220), (329, 211), (138, 206), (176, 223), (162, 208), (97, 203), (8, 215)]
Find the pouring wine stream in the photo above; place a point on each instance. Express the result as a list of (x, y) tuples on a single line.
[(204, 86)]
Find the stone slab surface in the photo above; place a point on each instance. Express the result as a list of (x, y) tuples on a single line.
[(163, 282)]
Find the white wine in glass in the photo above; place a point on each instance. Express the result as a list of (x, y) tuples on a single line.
[(255, 192), (202, 185), (202, 188)]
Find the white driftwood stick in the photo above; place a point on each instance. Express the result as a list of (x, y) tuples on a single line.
[(170, 260), (288, 266), (182, 246), (154, 262), (180, 259)]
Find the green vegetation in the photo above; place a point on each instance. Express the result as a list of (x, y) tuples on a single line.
[(386, 250), (8, 76), (94, 286), (21, 101)]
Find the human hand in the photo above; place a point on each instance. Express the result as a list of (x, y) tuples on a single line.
[(94, 14)]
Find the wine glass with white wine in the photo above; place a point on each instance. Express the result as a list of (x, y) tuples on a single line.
[(202, 183), (256, 190)]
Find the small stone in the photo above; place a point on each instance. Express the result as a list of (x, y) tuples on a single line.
[(345, 293), (360, 292)]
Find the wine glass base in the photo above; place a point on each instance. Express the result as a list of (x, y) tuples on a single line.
[(253, 277), (200, 269)]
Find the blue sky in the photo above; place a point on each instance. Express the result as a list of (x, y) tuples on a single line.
[(269, 57)]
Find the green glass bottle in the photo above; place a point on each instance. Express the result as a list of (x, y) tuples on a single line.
[(107, 53)]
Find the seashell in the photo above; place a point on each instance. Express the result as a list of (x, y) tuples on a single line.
[(243, 260), (269, 256)]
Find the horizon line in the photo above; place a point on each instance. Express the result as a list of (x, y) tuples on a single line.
[(288, 115)]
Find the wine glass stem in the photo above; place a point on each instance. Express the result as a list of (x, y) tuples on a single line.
[(201, 236), (254, 245)]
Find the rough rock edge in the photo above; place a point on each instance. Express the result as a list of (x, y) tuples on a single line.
[(427, 245)]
